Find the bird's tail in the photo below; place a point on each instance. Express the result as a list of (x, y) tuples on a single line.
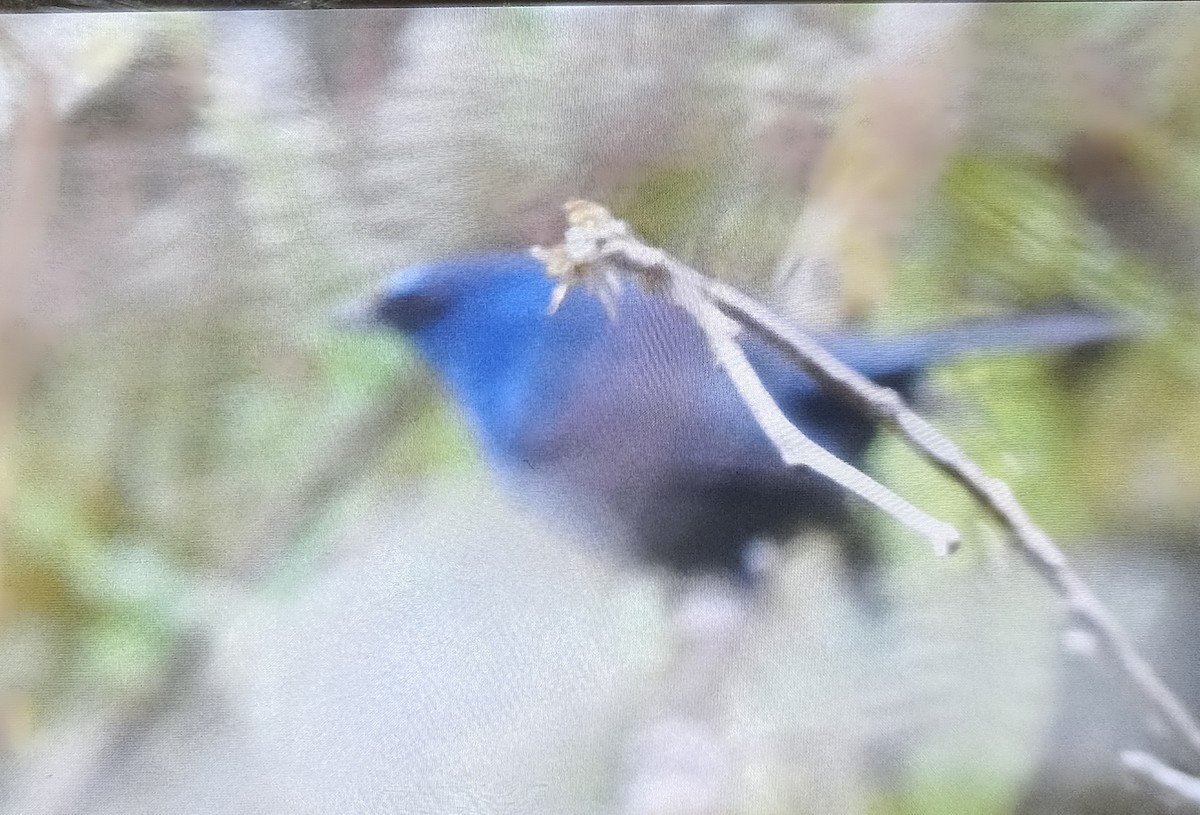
[(1030, 331), (1033, 332)]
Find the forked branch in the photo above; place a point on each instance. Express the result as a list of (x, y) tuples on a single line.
[(598, 247)]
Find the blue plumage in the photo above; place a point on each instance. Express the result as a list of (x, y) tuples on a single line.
[(629, 425)]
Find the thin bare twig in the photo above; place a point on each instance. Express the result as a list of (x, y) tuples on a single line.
[(796, 448), (595, 240), (595, 236), (1180, 786)]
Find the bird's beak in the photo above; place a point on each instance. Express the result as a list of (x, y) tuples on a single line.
[(357, 314)]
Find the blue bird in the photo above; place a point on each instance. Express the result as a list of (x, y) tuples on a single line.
[(626, 425)]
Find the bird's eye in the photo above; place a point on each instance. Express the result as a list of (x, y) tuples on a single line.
[(411, 311)]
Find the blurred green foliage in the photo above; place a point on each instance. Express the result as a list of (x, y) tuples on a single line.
[(1073, 436), (946, 793), (661, 205), (132, 481)]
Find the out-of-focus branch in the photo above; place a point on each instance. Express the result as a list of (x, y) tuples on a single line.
[(896, 132), (678, 760), (1176, 787), (68, 778), (349, 454), (596, 244), (33, 181), (34, 171)]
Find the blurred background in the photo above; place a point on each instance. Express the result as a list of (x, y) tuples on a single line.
[(252, 564)]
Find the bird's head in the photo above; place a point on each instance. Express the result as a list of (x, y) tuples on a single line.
[(469, 301), (482, 324)]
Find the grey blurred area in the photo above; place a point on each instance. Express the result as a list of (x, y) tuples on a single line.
[(433, 670), (253, 564)]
